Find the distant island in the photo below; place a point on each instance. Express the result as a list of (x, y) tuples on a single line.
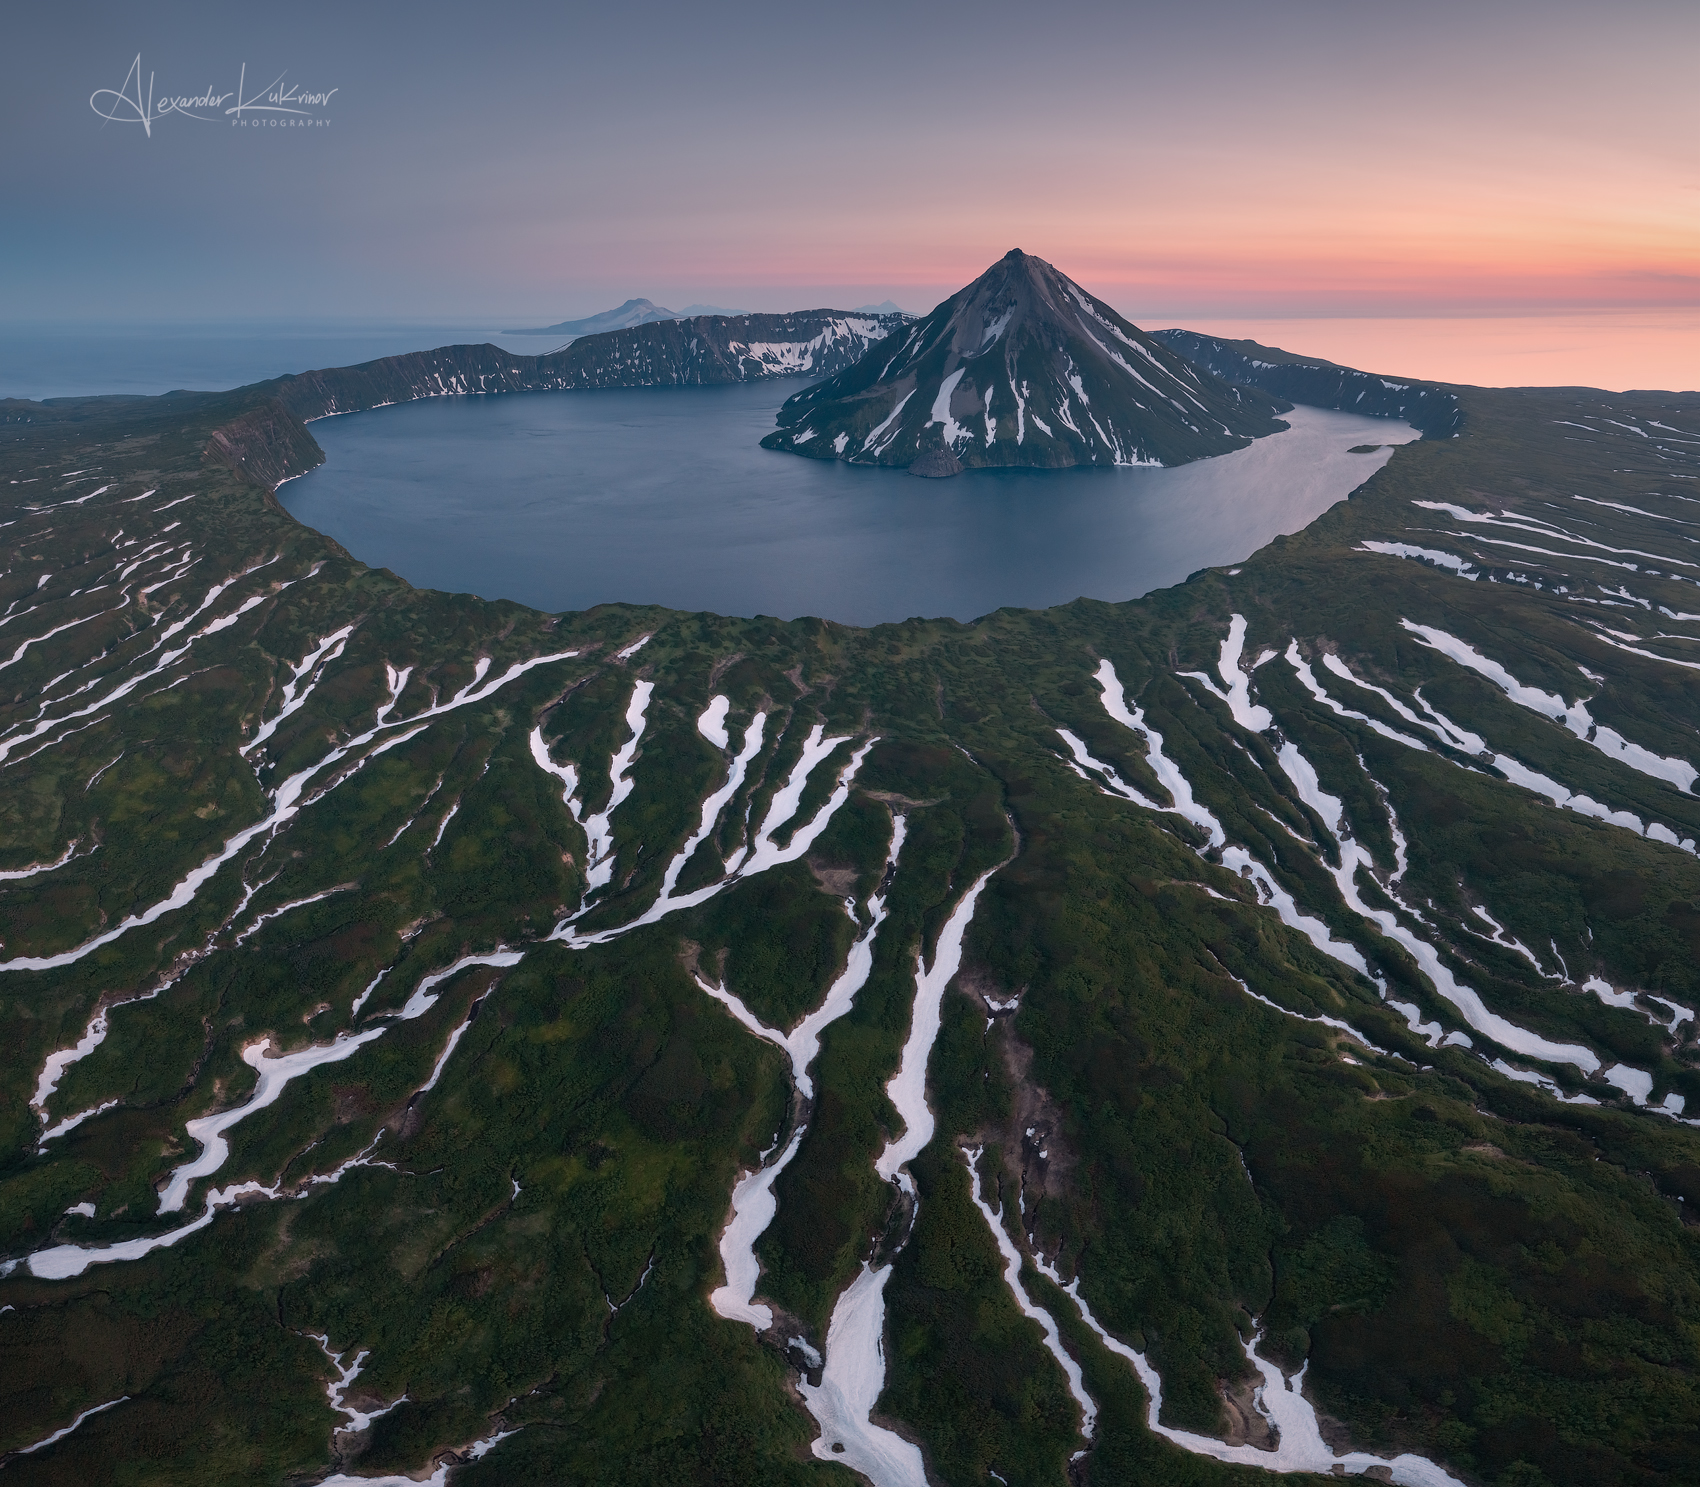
[(633, 312)]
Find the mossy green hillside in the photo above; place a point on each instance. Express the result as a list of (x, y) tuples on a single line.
[(1467, 1267)]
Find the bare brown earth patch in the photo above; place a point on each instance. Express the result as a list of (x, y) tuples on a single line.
[(350, 1101), (840, 882), (1035, 1130), (891, 798), (1033, 1138), (1245, 1426), (690, 957)]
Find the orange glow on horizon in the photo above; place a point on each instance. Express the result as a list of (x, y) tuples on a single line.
[(1459, 219)]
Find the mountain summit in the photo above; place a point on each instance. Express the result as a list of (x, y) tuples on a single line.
[(633, 312), (1021, 368)]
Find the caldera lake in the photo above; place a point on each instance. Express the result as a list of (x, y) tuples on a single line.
[(565, 500)]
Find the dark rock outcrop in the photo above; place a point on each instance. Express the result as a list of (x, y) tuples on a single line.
[(265, 445), (936, 464)]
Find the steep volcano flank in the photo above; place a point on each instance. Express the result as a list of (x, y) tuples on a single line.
[(1022, 368)]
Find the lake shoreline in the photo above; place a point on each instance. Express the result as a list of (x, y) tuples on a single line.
[(563, 504)]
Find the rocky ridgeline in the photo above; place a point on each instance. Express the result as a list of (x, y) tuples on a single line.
[(1429, 406), (707, 351), (265, 440)]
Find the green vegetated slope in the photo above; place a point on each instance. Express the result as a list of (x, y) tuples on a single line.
[(1205, 1116)]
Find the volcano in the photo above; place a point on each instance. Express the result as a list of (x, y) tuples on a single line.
[(1022, 368)]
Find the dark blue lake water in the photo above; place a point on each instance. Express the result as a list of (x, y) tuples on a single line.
[(664, 496)]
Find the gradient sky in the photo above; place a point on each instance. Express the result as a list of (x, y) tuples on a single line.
[(509, 164)]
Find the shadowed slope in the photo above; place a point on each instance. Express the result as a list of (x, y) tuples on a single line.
[(1022, 367)]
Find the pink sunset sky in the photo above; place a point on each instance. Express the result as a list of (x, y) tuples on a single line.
[(1225, 164)]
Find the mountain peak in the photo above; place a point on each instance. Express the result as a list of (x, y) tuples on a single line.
[(633, 312), (1022, 367)]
